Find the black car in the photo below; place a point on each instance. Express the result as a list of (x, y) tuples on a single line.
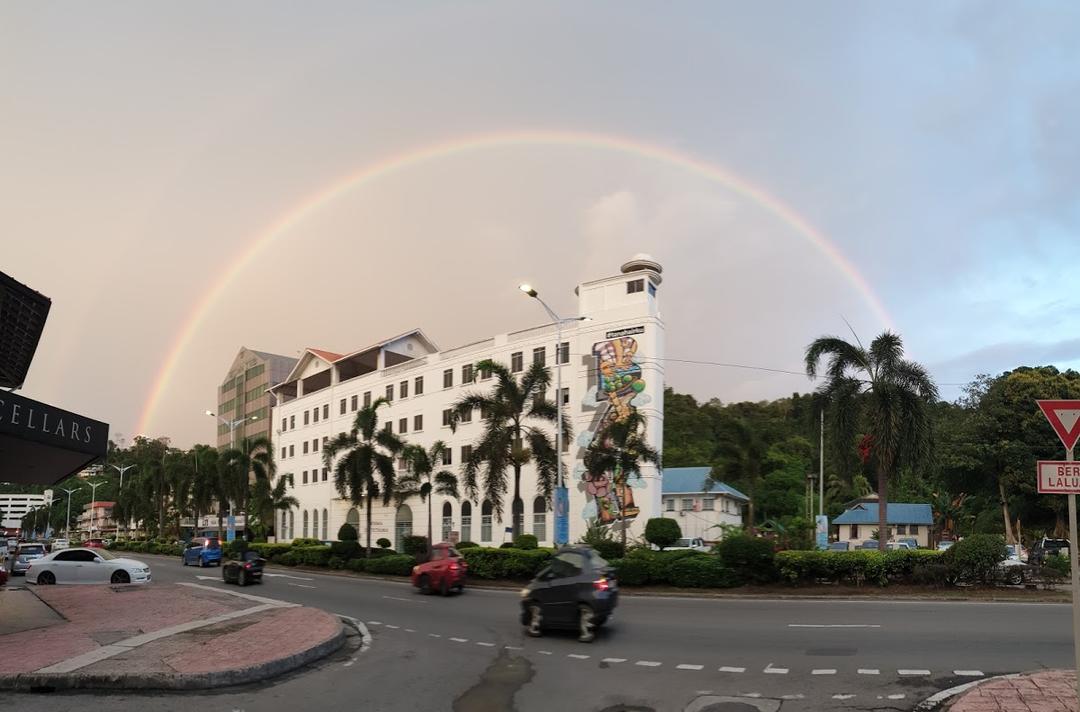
[(248, 570), (577, 591), (1047, 547)]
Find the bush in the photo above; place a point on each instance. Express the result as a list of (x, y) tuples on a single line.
[(487, 563), (288, 559), (631, 571), (506, 545), (526, 541), (415, 546), (396, 565), (853, 567), (271, 552), (313, 555), (702, 572), (1058, 564), (355, 565), (347, 532), (383, 543), (610, 549), (347, 549), (336, 562), (976, 558), (661, 531), (751, 559), (466, 545), (306, 541)]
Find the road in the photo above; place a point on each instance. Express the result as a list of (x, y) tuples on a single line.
[(469, 654)]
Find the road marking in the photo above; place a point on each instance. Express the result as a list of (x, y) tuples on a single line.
[(912, 672), (770, 670), (865, 671), (374, 622), (248, 596), (823, 672), (896, 697), (434, 635), (842, 697), (300, 585), (405, 600), (544, 652), (460, 640), (391, 627), (732, 669), (578, 656), (750, 694), (409, 630), (969, 673), (512, 647), (684, 666), (613, 660), (208, 578), (833, 625), (792, 697), (365, 636), (486, 645), (648, 663), (298, 578)]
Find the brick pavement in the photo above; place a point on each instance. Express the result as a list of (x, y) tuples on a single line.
[(1047, 691)]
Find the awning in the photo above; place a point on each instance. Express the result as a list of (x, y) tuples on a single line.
[(42, 444)]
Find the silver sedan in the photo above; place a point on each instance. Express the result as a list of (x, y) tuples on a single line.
[(86, 566)]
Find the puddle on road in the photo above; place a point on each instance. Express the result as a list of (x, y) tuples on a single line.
[(497, 686)]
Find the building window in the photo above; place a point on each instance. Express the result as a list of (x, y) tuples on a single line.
[(326, 439), (707, 504), (566, 396), (292, 422), (446, 414), (389, 426), (418, 386), (305, 523), (913, 529), (466, 521), (315, 524), (352, 403), (448, 456), (485, 373), (516, 363), (485, 521), (466, 453), (284, 423), (307, 418), (403, 425), (635, 285), (315, 445), (390, 392), (448, 378), (343, 407), (901, 529), (283, 452), (325, 412), (447, 520), (417, 423), (853, 532), (315, 414), (540, 355), (465, 416), (292, 524), (562, 353), (687, 504), (403, 389), (540, 519), (669, 504), (292, 451), (325, 473), (367, 399), (305, 447), (304, 477), (324, 525), (467, 375)]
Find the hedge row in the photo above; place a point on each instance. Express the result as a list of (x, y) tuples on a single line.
[(514, 564), (691, 569), (152, 546), (855, 567)]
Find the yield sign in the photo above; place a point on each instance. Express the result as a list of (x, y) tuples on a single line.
[(1064, 416)]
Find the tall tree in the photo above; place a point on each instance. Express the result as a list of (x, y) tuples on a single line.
[(267, 500), (878, 390), (250, 464), (366, 466), (423, 480), (622, 450), (741, 452), (516, 415)]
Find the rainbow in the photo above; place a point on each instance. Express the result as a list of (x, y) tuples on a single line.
[(458, 146)]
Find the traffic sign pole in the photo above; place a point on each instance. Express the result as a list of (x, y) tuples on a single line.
[(1074, 579)]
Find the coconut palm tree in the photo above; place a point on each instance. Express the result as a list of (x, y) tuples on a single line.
[(366, 467), (423, 480), (250, 464), (621, 449), (267, 500), (742, 451), (886, 396), (516, 415)]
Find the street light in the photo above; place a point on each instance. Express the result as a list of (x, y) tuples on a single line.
[(120, 491), (233, 425), (67, 522), (93, 501), (561, 494)]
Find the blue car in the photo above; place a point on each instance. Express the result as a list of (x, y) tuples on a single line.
[(202, 551)]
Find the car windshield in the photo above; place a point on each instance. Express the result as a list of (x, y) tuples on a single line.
[(684, 542), (31, 549), (106, 554)]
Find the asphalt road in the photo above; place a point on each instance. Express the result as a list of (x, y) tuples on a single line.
[(468, 653)]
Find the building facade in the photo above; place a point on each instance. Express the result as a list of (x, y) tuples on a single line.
[(702, 509), (610, 365), (243, 395), (96, 519), (859, 523), (13, 507)]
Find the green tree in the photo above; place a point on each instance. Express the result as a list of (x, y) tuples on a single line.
[(366, 466), (423, 480), (689, 438), (742, 451), (250, 464), (662, 532), (514, 414), (621, 449), (883, 393), (269, 499)]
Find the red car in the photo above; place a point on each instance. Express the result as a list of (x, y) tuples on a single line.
[(94, 544), (443, 572)]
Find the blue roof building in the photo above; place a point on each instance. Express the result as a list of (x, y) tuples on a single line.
[(906, 521), (699, 505)]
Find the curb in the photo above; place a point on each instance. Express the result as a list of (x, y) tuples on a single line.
[(935, 701), (49, 682)]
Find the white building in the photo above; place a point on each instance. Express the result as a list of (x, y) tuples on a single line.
[(701, 507), (13, 507), (611, 365)]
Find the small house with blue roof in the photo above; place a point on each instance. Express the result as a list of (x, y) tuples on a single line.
[(699, 504), (906, 521)]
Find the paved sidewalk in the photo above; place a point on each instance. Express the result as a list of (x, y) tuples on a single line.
[(1048, 691), (163, 636)]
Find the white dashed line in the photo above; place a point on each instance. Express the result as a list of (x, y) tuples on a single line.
[(648, 663), (842, 697), (732, 669), (750, 694), (689, 667), (512, 647), (486, 645), (969, 673), (833, 625), (460, 640), (544, 652), (792, 697), (770, 670), (374, 623), (896, 697), (613, 660), (823, 672), (409, 630), (578, 656), (869, 671), (912, 672), (391, 627), (434, 635)]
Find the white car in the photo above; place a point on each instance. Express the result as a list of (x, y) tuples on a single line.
[(60, 544), (696, 544), (86, 566)]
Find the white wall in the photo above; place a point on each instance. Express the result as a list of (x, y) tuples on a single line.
[(863, 533), (702, 523)]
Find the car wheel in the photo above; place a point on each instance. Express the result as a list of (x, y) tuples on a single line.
[(444, 588), (225, 575), (535, 627), (120, 577), (586, 624), (1016, 577), (242, 579), (46, 578), (424, 584)]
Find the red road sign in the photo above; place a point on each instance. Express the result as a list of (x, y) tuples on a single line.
[(1064, 416), (1057, 477)]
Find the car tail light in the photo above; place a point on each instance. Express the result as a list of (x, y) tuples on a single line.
[(453, 567), (247, 565), (601, 584)]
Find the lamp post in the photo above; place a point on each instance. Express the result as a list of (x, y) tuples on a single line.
[(562, 503), (67, 522), (93, 501), (233, 425), (120, 491)]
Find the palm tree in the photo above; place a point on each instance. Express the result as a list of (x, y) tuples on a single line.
[(621, 449), (742, 451), (423, 480), (251, 463), (509, 440), (366, 467), (267, 500), (204, 481), (883, 392)]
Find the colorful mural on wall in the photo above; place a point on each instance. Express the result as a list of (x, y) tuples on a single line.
[(616, 389)]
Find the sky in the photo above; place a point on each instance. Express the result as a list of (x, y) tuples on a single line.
[(149, 149)]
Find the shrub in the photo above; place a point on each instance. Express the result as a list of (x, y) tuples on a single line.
[(382, 542), (336, 562), (313, 555), (355, 565), (287, 559), (702, 572), (976, 558), (466, 545), (631, 571), (487, 563), (526, 541), (347, 549), (347, 532), (396, 565), (271, 552), (661, 531), (751, 559), (506, 545), (610, 549), (414, 545), (853, 567), (1058, 564), (306, 541)]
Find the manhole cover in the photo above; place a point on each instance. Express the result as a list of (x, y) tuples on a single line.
[(713, 703)]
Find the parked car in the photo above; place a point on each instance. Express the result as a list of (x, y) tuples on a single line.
[(1013, 571), (245, 571), (444, 572), (894, 545), (577, 590), (60, 544), (1047, 547), (1017, 552), (839, 546), (945, 545), (869, 544), (24, 554), (691, 543), (202, 551), (94, 544), (83, 565)]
